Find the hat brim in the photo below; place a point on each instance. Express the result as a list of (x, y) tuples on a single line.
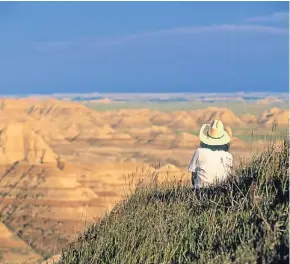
[(203, 136)]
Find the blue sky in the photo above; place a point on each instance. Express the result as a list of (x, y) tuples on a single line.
[(67, 47)]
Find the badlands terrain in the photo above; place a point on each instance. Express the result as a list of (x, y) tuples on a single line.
[(65, 160)]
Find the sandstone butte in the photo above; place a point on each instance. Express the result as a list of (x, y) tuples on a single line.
[(269, 100), (61, 120), (18, 142), (274, 115)]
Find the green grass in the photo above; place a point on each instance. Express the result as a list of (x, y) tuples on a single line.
[(261, 134), (244, 220), (194, 132), (266, 137), (245, 134), (237, 107)]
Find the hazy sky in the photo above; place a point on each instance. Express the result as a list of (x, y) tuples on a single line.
[(143, 47)]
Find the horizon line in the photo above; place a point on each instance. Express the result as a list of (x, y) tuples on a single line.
[(135, 93)]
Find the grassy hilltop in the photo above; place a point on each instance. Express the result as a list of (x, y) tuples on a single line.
[(246, 221)]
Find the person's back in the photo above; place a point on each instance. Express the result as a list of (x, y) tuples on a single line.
[(212, 162), (210, 166)]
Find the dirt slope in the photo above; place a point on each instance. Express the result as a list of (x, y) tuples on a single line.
[(18, 142), (272, 115), (186, 140), (14, 250), (248, 118)]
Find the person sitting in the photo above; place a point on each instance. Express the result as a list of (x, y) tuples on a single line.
[(211, 162)]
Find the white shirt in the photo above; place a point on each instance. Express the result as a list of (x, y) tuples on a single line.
[(210, 166)]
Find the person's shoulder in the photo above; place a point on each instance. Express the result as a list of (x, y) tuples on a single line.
[(199, 150), (204, 152), (229, 155)]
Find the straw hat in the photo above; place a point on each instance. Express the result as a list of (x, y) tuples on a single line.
[(215, 134)]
